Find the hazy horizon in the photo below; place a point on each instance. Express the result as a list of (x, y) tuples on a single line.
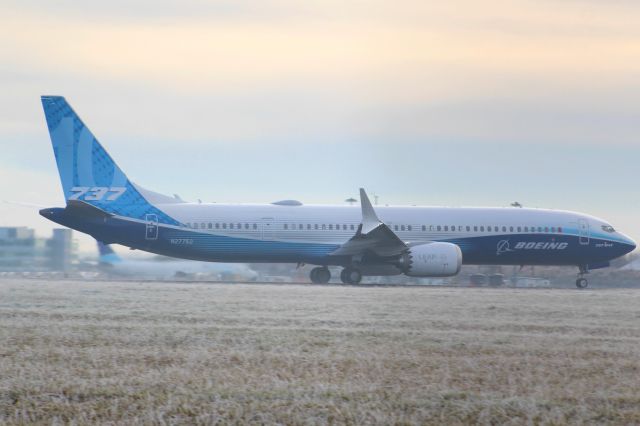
[(423, 103)]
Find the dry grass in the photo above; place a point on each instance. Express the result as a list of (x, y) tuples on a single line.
[(125, 353)]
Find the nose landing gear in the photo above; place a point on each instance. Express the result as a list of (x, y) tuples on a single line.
[(582, 282)]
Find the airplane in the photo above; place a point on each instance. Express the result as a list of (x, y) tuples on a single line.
[(168, 268), (366, 241)]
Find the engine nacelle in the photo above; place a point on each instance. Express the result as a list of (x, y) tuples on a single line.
[(432, 260)]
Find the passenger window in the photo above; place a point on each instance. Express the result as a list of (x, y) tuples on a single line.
[(331, 226), (439, 228), (424, 228), (559, 230), (315, 226), (546, 229), (231, 226), (209, 225), (352, 227), (553, 229), (324, 226), (286, 226), (402, 227), (482, 229), (519, 229), (475, 229), (446, 228), (300, 226), (255, 226), (540, 229), (224, 226), (504, 229)]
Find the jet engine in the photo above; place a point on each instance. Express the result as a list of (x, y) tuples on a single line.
[(432, 260)]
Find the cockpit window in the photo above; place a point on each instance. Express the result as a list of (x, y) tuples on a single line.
[(608, 228)]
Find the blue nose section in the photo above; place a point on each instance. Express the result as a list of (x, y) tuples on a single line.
[(629, 245)]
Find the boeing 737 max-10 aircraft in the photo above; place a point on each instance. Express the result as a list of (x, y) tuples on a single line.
[(417, 241)]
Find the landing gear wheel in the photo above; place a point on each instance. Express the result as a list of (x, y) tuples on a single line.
[(351, 276), (582, 283), (320, 275)]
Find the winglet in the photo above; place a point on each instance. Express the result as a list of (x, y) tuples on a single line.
[(370, 220)]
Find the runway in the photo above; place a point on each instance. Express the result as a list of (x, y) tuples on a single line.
[(128, 352)]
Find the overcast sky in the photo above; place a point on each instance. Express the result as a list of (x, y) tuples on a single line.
[(420, 102)]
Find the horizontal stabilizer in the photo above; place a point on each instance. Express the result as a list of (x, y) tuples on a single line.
[(83, 209)]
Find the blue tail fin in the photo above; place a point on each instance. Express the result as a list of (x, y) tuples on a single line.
[(107, 255), (87, 171)]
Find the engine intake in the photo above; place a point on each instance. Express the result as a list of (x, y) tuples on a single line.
[(432, 260)]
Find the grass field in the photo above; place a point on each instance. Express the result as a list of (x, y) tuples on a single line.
[(125, 353)]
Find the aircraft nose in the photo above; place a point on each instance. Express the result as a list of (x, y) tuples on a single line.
[(631, 245)]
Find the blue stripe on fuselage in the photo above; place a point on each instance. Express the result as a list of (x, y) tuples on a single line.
[(508, 249)]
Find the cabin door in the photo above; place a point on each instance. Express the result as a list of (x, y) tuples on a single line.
[(151, 228), (583, 231)]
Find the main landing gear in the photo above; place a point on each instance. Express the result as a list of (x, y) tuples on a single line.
[(582, 282), (320, 275), (351, 276)]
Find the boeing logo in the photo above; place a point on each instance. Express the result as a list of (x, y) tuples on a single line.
[(504, 247)]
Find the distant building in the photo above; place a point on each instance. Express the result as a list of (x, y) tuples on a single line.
[(60, 250), (22, 251)]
